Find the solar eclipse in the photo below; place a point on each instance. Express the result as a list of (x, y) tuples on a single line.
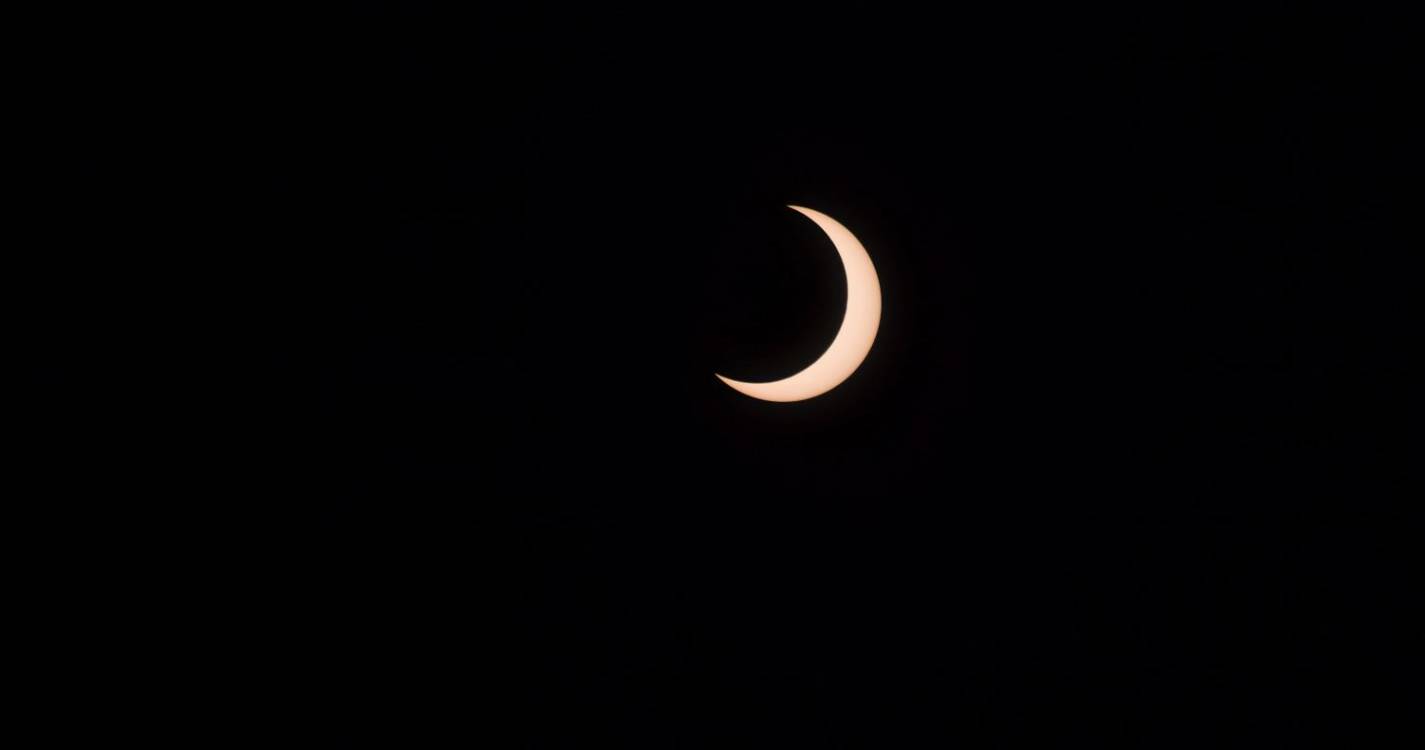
[(853, 340)]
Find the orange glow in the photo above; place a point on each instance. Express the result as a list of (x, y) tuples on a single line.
[(854, 338)]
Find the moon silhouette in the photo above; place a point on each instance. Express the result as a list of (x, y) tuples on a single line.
[(858, 327)]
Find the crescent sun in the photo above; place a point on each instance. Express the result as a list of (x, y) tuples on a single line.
[(858, 327)]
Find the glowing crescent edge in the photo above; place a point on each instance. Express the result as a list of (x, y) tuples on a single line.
[(858, 327)]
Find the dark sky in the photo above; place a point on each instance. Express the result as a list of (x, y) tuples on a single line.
[(1126, 465)]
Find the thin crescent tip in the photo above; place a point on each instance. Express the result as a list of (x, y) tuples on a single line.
[(810, 213)]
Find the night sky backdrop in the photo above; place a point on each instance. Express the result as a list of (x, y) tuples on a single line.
[(1126, 465)]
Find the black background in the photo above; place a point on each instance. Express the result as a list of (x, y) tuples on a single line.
[(1126, 465)]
